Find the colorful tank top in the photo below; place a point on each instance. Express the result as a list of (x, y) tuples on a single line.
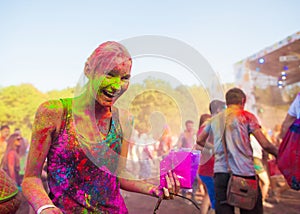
[(79, 181)]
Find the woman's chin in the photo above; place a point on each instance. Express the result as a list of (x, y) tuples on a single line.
[(106, 103)]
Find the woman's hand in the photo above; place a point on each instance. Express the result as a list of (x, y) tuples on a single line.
[(172, 187)]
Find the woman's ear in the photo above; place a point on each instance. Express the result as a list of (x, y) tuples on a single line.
[(87, 70)]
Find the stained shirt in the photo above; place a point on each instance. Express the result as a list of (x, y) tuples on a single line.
[(239, 125), (81, 179)]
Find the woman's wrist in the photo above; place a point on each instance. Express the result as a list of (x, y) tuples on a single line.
[(42, 208), (156, 191)]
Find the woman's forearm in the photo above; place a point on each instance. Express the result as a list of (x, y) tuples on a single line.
[(142, 187), (34, 192), (130, 183)]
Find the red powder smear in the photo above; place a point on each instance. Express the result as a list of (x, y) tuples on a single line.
[(81, 164)]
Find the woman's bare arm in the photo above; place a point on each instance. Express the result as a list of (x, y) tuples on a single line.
[(130, 184), (47, 122)]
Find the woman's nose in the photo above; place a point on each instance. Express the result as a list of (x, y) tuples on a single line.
[(116, 83)]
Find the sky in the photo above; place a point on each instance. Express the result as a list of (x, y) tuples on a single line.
[(46, 43)]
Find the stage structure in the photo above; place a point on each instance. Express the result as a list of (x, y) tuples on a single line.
[(265, 75)]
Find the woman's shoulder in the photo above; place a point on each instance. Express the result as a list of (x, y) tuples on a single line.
[(50, 105), (50, 111)]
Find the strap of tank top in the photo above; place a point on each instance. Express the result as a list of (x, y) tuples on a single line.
[(66, 112), (115, 119)]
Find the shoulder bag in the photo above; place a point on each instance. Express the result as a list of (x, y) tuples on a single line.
[(242, 192)]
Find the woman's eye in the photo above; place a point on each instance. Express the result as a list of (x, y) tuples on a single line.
[(127, 77), (109, 75)]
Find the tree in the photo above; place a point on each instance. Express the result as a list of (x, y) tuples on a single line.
[(18, 105)]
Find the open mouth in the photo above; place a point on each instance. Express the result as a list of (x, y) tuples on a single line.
[(109, 94)]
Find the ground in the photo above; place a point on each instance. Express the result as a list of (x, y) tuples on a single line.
[(140, 204)]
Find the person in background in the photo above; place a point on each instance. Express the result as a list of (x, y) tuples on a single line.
[(86, 150), (237, 125), (165, 142), (292, 114), (206, 165), (145, 156), (11, 166), (4, 133), (186, 141), (11, 159), (290, 129), (206, 162), (23, 152), (264, 180)]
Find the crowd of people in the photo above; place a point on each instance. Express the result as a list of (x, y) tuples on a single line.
[(77, 157)]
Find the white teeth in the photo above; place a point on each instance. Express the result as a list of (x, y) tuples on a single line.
[(110, 94)]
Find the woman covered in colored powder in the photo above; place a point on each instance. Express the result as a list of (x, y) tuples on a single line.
[(85, 147)]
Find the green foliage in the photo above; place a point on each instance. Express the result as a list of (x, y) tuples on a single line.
[(156, 103), (18, 105), (153, 103)]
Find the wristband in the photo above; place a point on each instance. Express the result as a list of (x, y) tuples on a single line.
[(44, 207)]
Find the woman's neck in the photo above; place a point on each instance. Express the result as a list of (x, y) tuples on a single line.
[(102, 112), (87, 103)]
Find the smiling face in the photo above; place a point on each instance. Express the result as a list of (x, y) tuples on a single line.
[(108, 87), (108, 70)]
